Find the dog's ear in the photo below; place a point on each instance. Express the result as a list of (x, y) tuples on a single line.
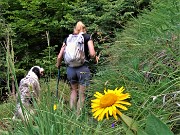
[(36, 70)]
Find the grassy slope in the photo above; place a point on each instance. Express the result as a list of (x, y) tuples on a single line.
[(148, 43), (145, 60)]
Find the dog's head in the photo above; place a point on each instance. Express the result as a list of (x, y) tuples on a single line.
[(37, 70)]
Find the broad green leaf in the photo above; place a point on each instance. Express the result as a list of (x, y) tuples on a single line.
[(132, 124), (127, 129), (141, 132), (155, 126), (129, 132)]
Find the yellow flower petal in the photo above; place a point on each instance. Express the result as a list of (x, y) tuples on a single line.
[(110, 111), (93, 105), (114, 107), (115, 116), (96, 108), (121, 106), (123, 102), (103, 113), (99, 94), (110, 91), (95, 100), (105, 92), (116, 89), (117, 111), (98, 112), (98, 118), (107, 115), (123, 96), (121, 89)]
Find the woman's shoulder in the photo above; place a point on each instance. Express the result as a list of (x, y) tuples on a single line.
[(65, 40), (87, 36)]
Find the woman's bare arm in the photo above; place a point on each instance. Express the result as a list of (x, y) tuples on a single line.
[(92, 52), (60, 55)]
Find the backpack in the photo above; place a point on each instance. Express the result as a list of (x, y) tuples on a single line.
[(74, 55)]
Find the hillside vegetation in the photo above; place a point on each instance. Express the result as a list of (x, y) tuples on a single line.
[(144, 58)]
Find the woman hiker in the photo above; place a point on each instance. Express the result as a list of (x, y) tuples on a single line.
[(78, 76)]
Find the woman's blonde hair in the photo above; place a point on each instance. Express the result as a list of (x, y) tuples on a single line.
[(80, 27)]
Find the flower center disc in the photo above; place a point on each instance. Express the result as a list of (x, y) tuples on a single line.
[(108, 100)]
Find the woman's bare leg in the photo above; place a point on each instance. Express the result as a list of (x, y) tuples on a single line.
[(73, 96), (81, 99)]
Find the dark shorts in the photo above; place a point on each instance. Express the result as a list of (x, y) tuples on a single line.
[(79, 75)]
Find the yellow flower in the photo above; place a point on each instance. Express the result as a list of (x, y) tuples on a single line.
[(109, 103), (55, 107)]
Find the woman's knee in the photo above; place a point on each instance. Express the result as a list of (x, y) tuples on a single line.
[(74, 87)]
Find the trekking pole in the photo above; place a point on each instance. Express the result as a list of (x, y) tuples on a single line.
[(58, 79)]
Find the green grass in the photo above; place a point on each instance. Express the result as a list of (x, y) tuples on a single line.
[(144, 59)]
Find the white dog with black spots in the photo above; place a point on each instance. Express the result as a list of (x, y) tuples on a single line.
[(29, 90)]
